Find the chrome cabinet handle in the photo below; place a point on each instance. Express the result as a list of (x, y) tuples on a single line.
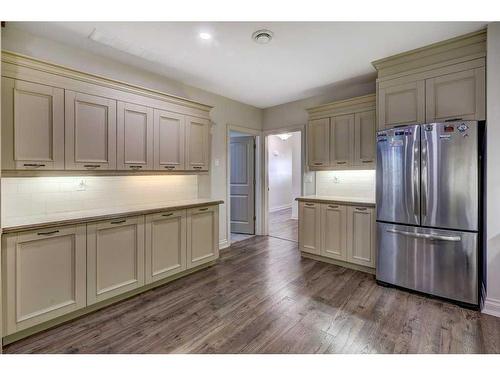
[(118, 221), (92, 166), (33, 165), (432, 237), (169, 214), (47, 233)]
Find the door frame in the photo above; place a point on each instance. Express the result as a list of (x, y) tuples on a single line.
[(265, 188), (258, 178)]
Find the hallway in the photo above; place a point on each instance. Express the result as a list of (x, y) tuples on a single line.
[(281, 225)]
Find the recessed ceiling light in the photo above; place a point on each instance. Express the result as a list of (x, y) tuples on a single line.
[(262, 36), (205, 36)]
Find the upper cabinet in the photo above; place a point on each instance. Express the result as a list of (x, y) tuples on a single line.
[(32, 126), (54, 118), (341, 135), (197, 143), (443, 81), (134, 137)]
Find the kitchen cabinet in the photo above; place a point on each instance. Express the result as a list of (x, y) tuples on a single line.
[(333, 231), (90, 125), (361, 235), (341, 137), (202, 235), (318, 135), (310, 227), (166, 236), (115, 257), (365, 125), (401, 104), (197, 143), (170, 142), (32, 126), (459, 95), (134, 137), (44, 275)]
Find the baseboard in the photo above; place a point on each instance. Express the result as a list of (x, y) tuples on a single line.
[(279, 208), (491, 307), (341, 263), (224, 244)]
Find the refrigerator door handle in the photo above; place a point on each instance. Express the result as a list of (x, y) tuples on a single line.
[(432, 237), (424, 179), (416, 173)]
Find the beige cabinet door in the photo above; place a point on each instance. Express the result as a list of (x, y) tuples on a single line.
[(341, 129), (361, 236), (197, 143), (310, 227), (44, 274), (333, 231), (364, 139), (458, 95), (169, 136), (134, 137), (166, 236), (401, 104), (90, 137), (115, 257), (202, 235), (32, 126), (318, 143)]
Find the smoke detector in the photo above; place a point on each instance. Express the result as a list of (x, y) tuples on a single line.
[(262, 36)]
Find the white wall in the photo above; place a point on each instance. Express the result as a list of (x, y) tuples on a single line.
[(348, 184), (284, 172), (35, 196), (225, 111), (492, 304)]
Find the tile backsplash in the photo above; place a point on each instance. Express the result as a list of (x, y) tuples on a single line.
[(355, 184), (30, 196)]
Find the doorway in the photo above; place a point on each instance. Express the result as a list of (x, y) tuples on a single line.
[(242, 185), (284, 171)]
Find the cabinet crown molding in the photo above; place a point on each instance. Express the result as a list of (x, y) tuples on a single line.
[(48, 67), (345, 106), (472, 44)]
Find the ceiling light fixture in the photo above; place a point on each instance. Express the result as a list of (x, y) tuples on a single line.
[(262, 36), (284, 136), (205, 36)]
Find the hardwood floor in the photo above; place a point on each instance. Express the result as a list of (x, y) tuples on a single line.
[(237, 237), (262, 297), (281, 225)]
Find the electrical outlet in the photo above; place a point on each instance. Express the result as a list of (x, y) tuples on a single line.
[(336, 180), (82, 186)]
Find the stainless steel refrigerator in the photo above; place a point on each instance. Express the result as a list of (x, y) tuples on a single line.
[(429, 209)]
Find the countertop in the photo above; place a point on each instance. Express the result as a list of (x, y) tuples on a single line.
[(338, 200), (19, 224)]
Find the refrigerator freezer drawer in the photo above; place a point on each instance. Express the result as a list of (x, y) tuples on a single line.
[(433, 261)]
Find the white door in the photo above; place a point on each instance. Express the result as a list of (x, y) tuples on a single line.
[(242, 185), (166, 236), (197, 143), (90, 132), (170, 141), (202, 235), (32, 126), (115, 257), (134, 137), (44, 275)]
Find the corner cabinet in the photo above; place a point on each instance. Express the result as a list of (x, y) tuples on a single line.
[(44, 274), (54, 118), (341, 135), (338, 232), (443, 81)]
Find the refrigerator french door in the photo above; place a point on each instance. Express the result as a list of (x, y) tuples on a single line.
[(428, 209)]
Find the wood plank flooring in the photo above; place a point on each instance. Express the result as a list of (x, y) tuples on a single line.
[(281, 225), (262, 297)]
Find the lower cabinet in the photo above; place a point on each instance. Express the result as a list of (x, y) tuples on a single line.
[(202, 235), (166, 236), (341, 232), (115, 257), (44, 275)]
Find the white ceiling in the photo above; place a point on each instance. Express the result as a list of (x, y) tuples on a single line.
[(302, 57)]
